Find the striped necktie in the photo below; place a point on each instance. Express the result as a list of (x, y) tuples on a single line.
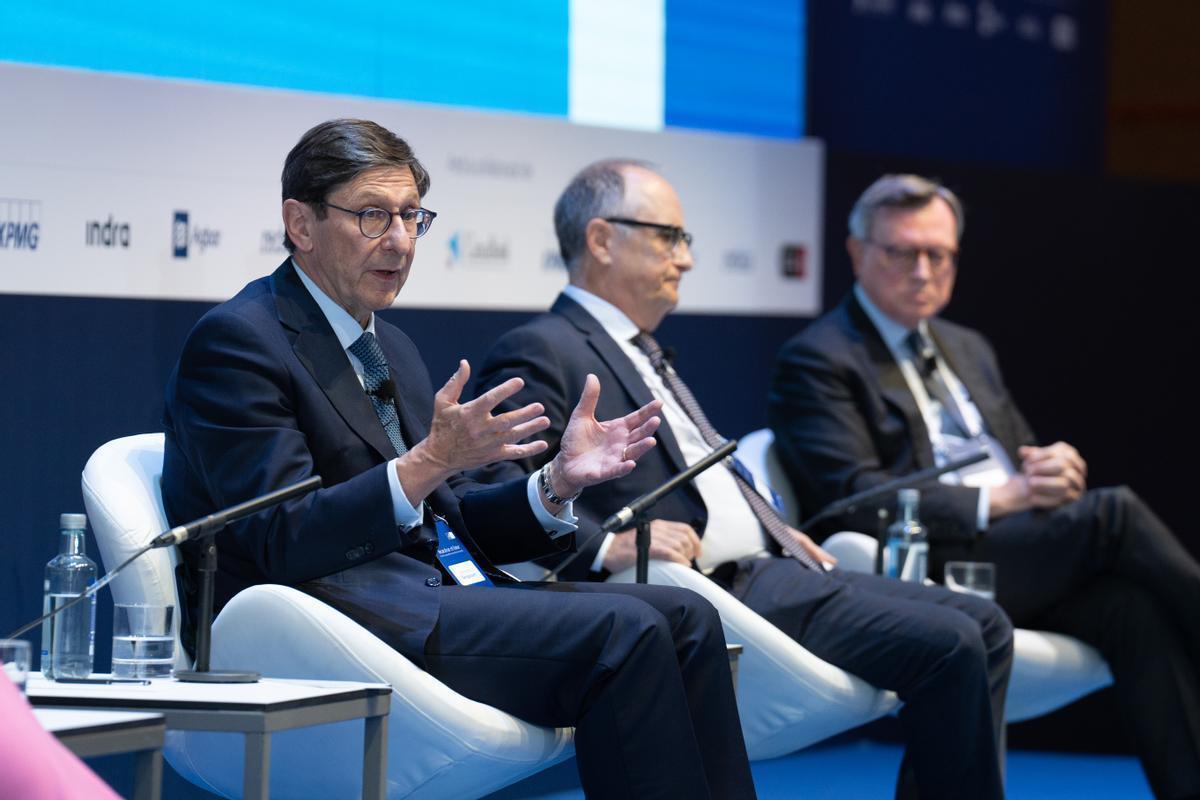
[(767, 516)]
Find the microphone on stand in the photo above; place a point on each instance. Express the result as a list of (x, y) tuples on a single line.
[(205, 527), (642, 504), (849, 504)]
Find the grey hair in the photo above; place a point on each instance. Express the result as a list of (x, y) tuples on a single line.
[(598, 190), (337, 151), (904, 192)]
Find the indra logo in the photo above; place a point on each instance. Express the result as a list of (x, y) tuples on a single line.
[(184, 236), (20, 224), (107, 233)]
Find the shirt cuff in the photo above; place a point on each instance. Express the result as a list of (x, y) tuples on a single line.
[(406, 516), (562, 524), (598, 561), (981, 514)]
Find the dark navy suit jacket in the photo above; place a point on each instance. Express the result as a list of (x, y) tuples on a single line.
[(845, 420), (554, 353), (264, 396)]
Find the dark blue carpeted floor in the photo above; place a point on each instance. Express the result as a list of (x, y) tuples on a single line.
[(854, 769)]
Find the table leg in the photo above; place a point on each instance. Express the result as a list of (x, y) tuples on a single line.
[(256, 779), (375, 732), (147, 775)]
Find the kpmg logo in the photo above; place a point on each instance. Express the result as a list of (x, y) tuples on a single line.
[(20, 224), (107, 233), (184, 236), (467, 249)]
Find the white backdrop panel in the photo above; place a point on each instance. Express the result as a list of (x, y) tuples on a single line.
[(103, 165)]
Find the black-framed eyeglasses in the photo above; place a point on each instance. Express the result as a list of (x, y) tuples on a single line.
[(673, 235), (941, 259), (374, 222)]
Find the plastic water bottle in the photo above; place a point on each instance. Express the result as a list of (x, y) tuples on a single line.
[(907, 554), (69, 639)]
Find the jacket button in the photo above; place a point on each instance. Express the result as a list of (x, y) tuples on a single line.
[(354, 553), (433, 581), (369, 548)]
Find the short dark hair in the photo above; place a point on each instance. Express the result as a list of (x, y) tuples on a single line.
[(597, 191), (336, 151), (905, 192)]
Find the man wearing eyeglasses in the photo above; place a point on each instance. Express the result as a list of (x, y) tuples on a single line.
[(881, 387), (620, 230), (297, 376)]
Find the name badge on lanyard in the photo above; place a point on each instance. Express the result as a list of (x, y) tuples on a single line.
[(454, 557)]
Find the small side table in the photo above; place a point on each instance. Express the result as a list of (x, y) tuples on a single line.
[(88, 733), (255, 709)]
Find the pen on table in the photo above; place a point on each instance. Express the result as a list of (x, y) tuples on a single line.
[(138, 681)]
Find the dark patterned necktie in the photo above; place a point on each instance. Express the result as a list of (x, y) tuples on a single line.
[(925, 359), (767, 516), (375, 374)]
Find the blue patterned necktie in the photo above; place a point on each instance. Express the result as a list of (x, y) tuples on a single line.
[(767, 516), (375, 375)]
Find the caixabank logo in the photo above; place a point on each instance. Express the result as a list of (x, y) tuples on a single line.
[(20, 224), (188, 239)]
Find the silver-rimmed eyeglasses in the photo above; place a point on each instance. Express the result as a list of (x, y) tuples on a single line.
[(374, 222)]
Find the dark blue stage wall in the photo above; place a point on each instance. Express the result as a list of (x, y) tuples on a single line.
[(81, 371)]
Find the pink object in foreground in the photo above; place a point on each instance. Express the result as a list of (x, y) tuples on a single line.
[(33, 764)]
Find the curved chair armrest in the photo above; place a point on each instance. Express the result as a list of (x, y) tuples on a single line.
[(440, 744)]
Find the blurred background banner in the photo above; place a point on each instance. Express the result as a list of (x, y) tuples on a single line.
[(124, 186)]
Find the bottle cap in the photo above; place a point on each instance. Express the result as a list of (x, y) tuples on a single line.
[(72, 522), (907, 496)]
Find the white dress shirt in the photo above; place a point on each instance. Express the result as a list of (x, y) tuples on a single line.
[(732, 532), (348, 331), (993, 471)]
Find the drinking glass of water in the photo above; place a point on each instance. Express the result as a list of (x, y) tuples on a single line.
[(971, 577), (15, 660), (143, 641)]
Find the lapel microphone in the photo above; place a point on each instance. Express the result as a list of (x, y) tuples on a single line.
[(385, 392)]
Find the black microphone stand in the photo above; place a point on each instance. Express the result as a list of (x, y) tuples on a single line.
[(207, 528), (636, 512), (204, 527), (849, 504)]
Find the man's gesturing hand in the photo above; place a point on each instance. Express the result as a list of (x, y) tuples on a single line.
[(592, 451), (466, 435)]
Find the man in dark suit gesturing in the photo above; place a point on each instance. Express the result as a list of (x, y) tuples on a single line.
[(880, 387), (620, 230), (296, 376)]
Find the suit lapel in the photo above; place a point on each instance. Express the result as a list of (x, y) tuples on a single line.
[(626, 373), (892, 386), (322, 355)]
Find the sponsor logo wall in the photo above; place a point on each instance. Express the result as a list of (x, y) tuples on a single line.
[(193, 169)]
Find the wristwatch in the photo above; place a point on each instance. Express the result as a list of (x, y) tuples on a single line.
[(548, 492)]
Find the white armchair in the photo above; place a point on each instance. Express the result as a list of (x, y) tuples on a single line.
[(787, 697), (1050, 670), (440, 744)]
